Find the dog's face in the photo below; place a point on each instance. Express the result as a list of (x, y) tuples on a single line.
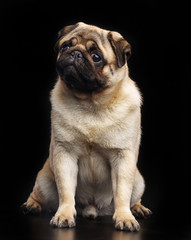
[(91, 59)]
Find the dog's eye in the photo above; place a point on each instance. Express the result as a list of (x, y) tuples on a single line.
[(64, 47), (96, 57)]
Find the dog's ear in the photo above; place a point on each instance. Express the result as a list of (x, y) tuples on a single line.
[(121, 48), (65, 30)]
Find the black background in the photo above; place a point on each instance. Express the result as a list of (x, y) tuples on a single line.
[(154, 30)]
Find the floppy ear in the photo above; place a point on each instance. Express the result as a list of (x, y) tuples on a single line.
[(65, 30), (121, 48)]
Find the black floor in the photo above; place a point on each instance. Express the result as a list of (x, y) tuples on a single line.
[(25, 227)]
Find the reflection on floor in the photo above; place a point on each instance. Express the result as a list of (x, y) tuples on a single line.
[(25, 227)]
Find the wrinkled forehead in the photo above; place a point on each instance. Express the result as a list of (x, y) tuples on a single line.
[(84, 34)]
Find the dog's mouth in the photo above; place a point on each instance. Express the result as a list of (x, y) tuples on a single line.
[(72, 78), (81, 78)]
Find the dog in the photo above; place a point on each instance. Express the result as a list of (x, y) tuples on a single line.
[(95, 133)]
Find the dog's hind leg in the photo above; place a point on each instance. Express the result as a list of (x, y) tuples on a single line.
[(44, 194), (137, 209)]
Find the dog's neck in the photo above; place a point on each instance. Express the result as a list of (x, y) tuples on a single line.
[(104, 98), (125, 92)]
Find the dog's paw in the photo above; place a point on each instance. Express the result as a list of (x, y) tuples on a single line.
[(64, 219), (139, 211), (62, 222), (125, 221), (31, 206)]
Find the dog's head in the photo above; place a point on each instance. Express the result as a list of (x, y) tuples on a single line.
[(91, 59)]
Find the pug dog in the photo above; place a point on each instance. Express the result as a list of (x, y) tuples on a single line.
[(95, 133)]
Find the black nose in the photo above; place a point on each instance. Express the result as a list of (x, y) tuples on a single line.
[(76, 54)]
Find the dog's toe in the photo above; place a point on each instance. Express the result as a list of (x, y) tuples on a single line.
[(32, 207), (140, 211)]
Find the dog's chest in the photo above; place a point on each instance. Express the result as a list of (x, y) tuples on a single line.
[(106, 137), (108, 129), (93, 165)]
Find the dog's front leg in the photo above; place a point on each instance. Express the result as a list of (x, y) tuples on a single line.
[(123, 173), (65, 170)]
